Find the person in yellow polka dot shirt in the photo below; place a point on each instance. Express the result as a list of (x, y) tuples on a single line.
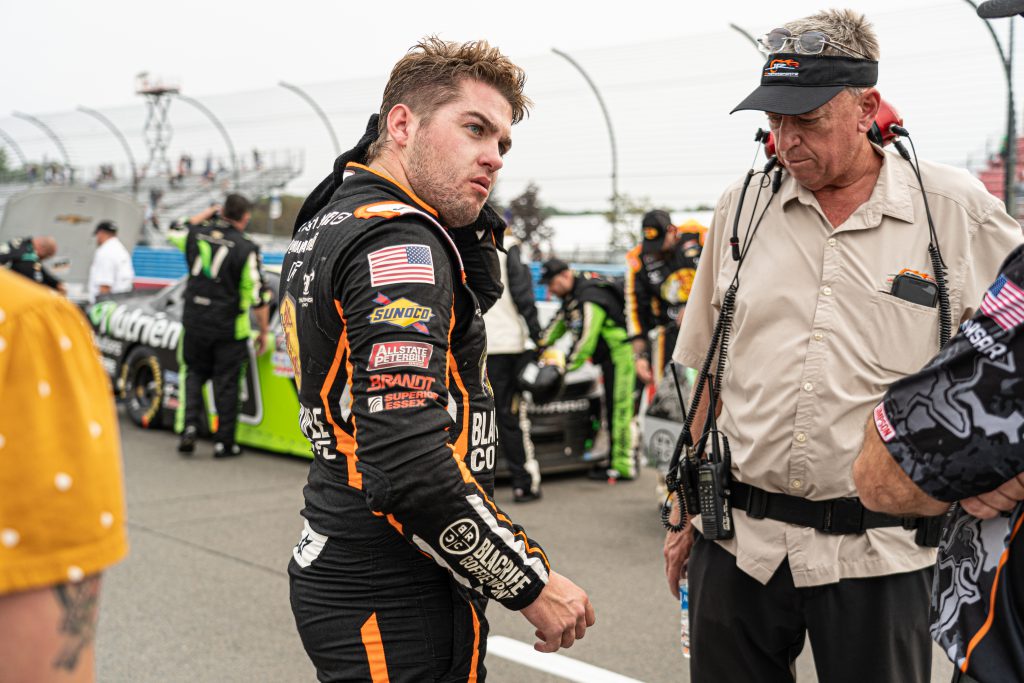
[(61, 486)]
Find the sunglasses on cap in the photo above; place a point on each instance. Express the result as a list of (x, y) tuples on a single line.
[(809, 43)]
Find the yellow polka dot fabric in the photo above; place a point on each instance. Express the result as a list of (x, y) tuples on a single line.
[(62, 504)]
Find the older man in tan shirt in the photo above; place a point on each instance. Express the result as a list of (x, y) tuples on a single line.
[(817, 337)]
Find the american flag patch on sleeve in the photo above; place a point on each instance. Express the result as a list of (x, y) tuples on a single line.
[(402, 263), (1004, 303)]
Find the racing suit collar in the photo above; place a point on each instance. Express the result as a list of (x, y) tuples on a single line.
[(353, 167)]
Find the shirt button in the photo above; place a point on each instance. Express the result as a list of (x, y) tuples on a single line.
[(826, 290), (808, 386), (818, 336), (796, 483), (831, 241), (801, 437)]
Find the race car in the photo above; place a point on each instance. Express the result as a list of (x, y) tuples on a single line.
[(138, 333)]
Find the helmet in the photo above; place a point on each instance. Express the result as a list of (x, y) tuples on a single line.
[(544, 378)]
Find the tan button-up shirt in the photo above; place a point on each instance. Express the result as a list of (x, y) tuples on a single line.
[(817, 338)]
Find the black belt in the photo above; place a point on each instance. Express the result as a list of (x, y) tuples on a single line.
[(836, 516)]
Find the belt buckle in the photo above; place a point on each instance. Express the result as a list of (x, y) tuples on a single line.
[(757, 503), (844, 516)]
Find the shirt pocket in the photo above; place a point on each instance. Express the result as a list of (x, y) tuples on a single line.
[(901, 336)]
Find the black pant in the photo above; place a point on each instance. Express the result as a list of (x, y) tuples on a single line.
[(502, 370), (221, 360), (873, 629), (368, 615)]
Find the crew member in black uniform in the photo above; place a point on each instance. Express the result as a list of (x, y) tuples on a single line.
[(955, 432), (402, 544), (659, 275), (224, 284), (25, 256)]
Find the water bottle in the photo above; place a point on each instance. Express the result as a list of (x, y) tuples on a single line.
[(684, 617)]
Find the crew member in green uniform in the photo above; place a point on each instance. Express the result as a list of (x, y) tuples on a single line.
[(592, 310), (224, 283)]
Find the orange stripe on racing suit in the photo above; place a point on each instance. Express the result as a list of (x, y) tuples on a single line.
[(374, 645), (475, 663), (983, 631), (346, 444)]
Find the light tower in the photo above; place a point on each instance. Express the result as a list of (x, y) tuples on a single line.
[(157, 131)]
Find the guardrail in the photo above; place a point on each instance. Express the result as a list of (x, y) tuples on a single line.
[(158, 266)]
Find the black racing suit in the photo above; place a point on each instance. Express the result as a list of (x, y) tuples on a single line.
[(657, 289), (402, 544), (20, 256), (224, 283), (957, 429)]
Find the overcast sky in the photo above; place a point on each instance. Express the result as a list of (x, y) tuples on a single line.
[(670, 73)]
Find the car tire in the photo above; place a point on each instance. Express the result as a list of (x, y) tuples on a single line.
[(142, 380)]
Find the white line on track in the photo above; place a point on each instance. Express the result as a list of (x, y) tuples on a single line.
[(555, 664)]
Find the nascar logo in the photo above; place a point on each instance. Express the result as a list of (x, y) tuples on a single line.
[(402, 313)]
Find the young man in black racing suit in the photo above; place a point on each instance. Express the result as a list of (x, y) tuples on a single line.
[(402, 544)]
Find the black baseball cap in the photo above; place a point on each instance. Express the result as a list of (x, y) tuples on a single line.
[(655, 226), (108, 226), (794, 84), (551, 268)]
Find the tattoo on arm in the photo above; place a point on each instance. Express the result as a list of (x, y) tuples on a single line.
[(79, 603)]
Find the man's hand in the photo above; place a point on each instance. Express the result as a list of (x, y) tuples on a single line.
[(261, 343), (1002, 499), (677, 552), (204, 215), (562, 612), (643, 370)]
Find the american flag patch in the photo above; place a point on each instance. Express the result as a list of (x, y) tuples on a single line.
[(404, 263), (1004, 303)]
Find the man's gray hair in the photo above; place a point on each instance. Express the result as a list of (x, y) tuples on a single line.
[(843, 26)]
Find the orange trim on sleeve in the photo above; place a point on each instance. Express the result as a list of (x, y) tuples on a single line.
[(374, 646), (461, 447), (526, 542), (462, 443), (346, 444), (385, 176), (983, 631)]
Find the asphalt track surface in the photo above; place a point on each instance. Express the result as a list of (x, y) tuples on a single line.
[(203, 595)]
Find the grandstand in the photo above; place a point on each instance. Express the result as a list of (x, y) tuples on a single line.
[(193, 192)]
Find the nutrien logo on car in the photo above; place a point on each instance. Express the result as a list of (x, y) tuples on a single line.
[(399, 354), (401, 313)]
